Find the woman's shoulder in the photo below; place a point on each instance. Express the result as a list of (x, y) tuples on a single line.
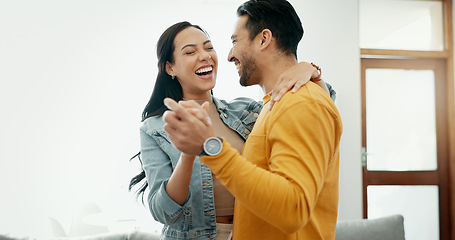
[(239, 104), (244, 100), (151, 125)]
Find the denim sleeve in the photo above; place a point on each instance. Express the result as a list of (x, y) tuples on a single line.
[(158, 169), (333, 94)]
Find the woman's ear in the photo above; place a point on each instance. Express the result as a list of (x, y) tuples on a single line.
[(169, 69)]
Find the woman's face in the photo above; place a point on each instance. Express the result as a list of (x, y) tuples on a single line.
[(195, 63)]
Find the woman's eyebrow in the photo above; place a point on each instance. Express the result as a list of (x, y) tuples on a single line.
[(194, 45), (188, 45)]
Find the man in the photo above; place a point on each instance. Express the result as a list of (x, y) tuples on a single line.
[(285, 182)]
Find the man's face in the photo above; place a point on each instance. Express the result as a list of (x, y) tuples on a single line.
[(243, 54)]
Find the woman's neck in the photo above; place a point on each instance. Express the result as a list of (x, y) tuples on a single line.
[(200, 100), (203, 95)]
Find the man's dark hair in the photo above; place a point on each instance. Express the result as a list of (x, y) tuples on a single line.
[(276, 15)]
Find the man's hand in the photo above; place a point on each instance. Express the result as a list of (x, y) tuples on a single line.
[(188, 125)]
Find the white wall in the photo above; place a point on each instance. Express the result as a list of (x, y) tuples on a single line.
[(75, 76), (331, 39)]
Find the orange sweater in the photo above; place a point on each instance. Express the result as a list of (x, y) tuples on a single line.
[(286, 181)]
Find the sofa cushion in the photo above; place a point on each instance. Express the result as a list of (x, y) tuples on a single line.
[(385, 228)]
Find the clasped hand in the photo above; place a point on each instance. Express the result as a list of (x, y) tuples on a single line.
[(188, 125)]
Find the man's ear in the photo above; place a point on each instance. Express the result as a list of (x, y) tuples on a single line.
[(266, 38), (169, 69)]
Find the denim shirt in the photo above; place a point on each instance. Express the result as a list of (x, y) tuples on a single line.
[(196, 219)]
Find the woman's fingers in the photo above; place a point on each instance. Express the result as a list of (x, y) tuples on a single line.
[(199, 111)]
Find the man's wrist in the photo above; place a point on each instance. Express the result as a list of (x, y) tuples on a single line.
[(212, 146)]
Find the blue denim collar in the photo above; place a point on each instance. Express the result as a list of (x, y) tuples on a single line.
[(220, 105)]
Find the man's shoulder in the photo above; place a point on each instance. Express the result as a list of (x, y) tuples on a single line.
[(309, 95), (308, 105)]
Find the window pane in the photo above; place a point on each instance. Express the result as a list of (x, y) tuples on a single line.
[(400, 120), (401, 24), (418, 205)]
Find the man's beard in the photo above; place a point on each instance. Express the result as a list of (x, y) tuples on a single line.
[(249, 67)]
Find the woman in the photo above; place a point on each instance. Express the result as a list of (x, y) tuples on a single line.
[(183, 193)]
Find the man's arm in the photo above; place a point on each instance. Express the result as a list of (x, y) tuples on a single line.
[(302, 148)]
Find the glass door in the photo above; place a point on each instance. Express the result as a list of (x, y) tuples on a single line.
[(404, 144)]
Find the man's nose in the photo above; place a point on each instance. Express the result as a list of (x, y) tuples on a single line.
[(231, 55)]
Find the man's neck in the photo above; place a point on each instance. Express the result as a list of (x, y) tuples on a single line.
[(272, 71)]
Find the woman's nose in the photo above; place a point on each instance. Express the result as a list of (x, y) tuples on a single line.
[(205, 56)]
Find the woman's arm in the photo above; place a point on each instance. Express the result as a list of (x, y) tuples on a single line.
[(159, 171), (179, 182)]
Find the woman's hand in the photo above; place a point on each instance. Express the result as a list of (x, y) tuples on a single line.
[(201, 112), (295, 77), (187, 130)]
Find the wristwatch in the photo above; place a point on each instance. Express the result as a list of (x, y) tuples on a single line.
[(212, 146)]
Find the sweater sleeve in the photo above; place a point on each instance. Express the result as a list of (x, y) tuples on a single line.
[(301, 141)]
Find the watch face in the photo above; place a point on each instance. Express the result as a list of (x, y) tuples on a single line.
[(213, 146)]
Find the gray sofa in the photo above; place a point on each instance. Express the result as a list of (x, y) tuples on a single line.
[(385, 228)]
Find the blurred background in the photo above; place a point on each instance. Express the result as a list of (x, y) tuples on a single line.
[(76, 75)]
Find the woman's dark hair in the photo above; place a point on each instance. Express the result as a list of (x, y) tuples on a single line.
[(165, 87), (276, 15)]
